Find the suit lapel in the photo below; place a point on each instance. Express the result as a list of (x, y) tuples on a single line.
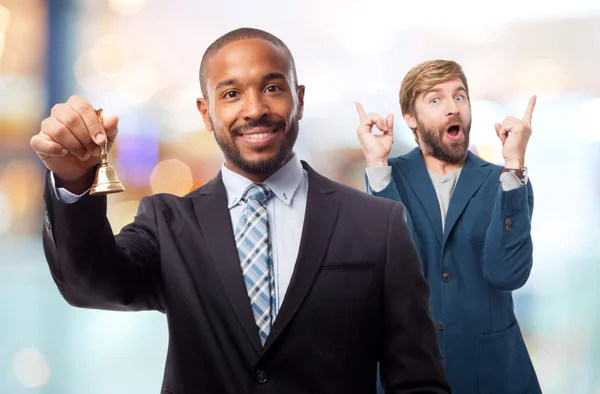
[(419, 180), (214, 218), (474, 173), (319, 222)]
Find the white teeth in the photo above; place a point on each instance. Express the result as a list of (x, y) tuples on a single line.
[(257, 136)]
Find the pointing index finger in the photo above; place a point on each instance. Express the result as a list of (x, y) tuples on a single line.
[(529, 111), (361, 111)]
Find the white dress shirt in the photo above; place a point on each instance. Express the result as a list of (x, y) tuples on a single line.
[(285, 211)]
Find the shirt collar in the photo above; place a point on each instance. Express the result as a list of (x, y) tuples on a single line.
[(283, 183)]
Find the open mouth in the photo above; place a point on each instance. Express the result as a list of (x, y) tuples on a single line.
[(454, 132)]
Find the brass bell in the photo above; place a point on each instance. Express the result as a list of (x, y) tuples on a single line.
[(106, 180)]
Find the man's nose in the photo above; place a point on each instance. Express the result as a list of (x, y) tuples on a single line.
[(255, 106), (452, 108)]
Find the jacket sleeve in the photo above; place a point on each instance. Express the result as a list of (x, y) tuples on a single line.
[(508, 248), (411, 360), (92, 267)]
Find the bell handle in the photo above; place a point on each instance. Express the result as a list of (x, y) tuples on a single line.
[(104, 152), (104, 146)]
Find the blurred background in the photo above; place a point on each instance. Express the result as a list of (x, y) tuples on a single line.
[(139, 59)]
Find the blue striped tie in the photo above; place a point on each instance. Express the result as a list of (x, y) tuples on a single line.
[(254, 248)]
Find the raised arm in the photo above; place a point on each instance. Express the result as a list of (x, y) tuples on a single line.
[(91, 267)]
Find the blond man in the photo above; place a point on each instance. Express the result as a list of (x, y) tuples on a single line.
[(470, 220)]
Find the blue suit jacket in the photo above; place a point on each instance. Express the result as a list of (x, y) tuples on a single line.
[(484, 253)]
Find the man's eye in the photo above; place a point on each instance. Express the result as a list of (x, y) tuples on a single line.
[(273, 88)]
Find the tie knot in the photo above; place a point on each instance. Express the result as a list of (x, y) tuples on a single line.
[(261, 193)]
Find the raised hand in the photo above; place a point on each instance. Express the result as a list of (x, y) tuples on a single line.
[(514, 134), (69, 142), (376, 148)]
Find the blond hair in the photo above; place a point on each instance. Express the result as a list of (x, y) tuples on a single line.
[(425, 76)]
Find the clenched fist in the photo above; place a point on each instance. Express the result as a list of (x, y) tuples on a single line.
[(376, 148), (69, 142)]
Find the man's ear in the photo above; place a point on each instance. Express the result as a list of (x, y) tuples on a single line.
[(411, 121), (202, 105), (300, 93)]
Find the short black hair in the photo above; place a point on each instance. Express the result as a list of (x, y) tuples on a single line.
[(237, 35)]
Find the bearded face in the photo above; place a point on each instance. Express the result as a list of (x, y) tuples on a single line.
[(255, 106), (442, 121), (448, 142)]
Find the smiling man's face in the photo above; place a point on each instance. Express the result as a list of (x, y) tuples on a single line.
[(253, 106)]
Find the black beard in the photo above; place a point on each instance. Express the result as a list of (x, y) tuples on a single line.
[(269, 165), (455, 153)]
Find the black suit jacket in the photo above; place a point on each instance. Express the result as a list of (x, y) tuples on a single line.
[(357, 294)]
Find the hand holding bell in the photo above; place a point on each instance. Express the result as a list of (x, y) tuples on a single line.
[(73, 143)]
